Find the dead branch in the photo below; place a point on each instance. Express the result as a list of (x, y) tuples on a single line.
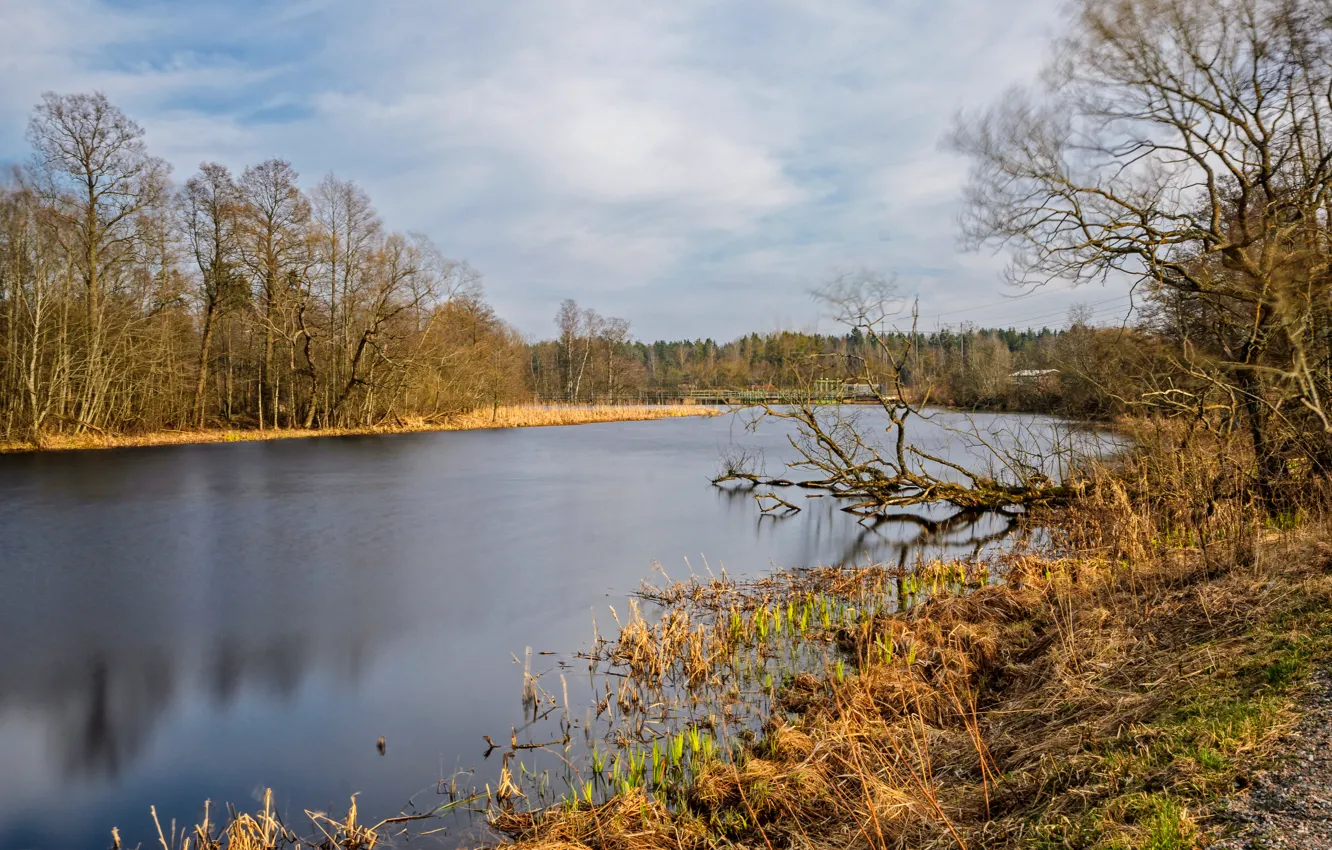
[(832, 445), (776, 501)]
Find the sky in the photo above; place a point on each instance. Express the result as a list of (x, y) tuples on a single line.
[(695, 166)]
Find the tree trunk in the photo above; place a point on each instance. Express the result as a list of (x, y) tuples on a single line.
[(200, 386), (1268, 464)]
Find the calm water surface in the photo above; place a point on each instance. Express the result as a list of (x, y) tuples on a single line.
[(201, 622)]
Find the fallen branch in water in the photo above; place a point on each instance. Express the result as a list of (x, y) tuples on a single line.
[(777, 502), (832, 444)]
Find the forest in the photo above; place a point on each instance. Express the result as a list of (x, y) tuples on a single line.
[(132, 304), (1053, 370)]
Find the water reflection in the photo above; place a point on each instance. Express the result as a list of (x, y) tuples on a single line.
[(102, 706), (192, 623), (885, 537)]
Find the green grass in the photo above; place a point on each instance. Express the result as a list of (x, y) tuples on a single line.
[(1155, 778), (1284, 520), (1169, 827)]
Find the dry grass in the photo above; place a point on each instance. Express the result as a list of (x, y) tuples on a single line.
[(264, 830), (507, 416), (1101, 697), (1078, 706)]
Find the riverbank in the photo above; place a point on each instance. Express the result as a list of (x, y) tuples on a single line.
[(505, 416), (1106, 700), (1087, 703), (1115, 688)]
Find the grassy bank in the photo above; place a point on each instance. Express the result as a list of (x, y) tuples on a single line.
[(507, 416), (1107, 691), (1085, 703)]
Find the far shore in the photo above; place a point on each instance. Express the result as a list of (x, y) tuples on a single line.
[(505, 416)]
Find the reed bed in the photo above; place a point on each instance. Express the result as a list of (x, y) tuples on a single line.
[(505, 416), (265, 829), (1102, 693), (1078, 705)]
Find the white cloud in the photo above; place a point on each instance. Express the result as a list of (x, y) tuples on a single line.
[(675, 163)]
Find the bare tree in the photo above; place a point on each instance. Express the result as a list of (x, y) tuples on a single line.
[(592, 324), (96, 176), (31, 288), (567, 320), (398, 282), (210, 206), (1181, 144), (348, 230), (833, 442), (274, 249), (614, 335)]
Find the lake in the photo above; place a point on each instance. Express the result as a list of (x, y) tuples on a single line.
[(201, 622)]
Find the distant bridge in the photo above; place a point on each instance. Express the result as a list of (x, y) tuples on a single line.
[(824, 392)]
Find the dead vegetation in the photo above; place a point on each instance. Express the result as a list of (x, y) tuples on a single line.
[(1101, 696), (1101, 693), (503, 416), (838, 453), (265, 829)]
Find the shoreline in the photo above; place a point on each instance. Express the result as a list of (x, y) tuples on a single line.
[(1127, 686), (1086, 700), (504, 417)]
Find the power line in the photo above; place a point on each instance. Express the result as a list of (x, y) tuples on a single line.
[(1029, 321), (1010, 301), (1106, 307), (985, 306)]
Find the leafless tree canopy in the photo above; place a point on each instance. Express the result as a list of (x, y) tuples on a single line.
[(128, 305), (1183, 144), (591, 359)]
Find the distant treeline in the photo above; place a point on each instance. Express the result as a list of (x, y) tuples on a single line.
[(131, 304), (973, 365), (1070, 370)]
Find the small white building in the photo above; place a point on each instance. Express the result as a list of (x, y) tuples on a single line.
[(1042, 377)]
